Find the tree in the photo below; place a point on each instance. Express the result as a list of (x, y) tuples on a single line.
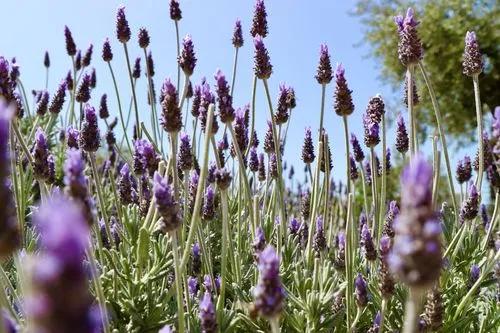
[(442, 29)]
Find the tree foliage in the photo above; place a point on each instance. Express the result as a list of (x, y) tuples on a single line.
[(442, 28)]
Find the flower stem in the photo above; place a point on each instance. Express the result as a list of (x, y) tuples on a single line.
[(252, 123), (137, 122), (151, 99), (411, 114), (411, 312), (374, 188), (235, 64), (382, 204), (178, 281), (479, 116), (347, 157), (494, 220), (349, 261), (382, 315), (178, 53), (119, 106)]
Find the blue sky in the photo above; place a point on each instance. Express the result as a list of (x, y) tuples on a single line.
[(296, 29)]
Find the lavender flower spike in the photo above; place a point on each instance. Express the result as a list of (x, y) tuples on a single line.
[(472, 57), (187, 58), (9, 229), (167, 207), (259, 242), (122, 27), (40, 155), (402, 140), (324, 72), (89, 134), (470, 207), (343, 99), (308, 147), (319, 240), (171, 115), (237, 35), (143, 38), (416, 255), (361, 291), (372, 136), (269, 293), (208, 210), (185, 156), (70, 43), (367, 243), (262, 63), (359, 155), (58, 100), (107, 54), (259, 23), (207, 314), (175, 11), (409, 46), (224, 99)]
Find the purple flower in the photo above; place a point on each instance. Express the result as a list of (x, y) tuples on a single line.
[(375, 109), (185, 156), (253, 163), (89, 136), (367, 243), (241, 134), (58, 270), (409, 46), (294, 226), (122, 28), (237, 34), (72, 135), (70, 43), (46, 59), (58, 100), (83, 90), (18, 103), (167, 207), (187, 58), (353, 169), (78, 60), (42, 104), (193, 188), (464, 170), (8, 223), (319, 240), (87, 57), (281, 115), (259, 242), (262, 63), (193, 286), (262, 168), (136, 71), (195, 108), (342, 95), (361, 291), (150, 67), (269, 138), (171, 115), (207, 314), (107, 54), (475, 271), (273, 166), (470, 206), (126, 188), (175, 10), (416, 255), (223, 178), (40, 155), (324, 72), (196, 259), (69, 81), (103, 107), (402, 140), (208, 210), (472, 57), (145, 157), (224, 99), (269, 293), (356, 149), (143, 38), (308, 147), (416, 98), (259, 23), (392, 213)]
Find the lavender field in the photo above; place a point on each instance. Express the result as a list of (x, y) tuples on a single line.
[(172, 213)]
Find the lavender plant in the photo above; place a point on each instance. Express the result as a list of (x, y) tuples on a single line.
[(167, 227)]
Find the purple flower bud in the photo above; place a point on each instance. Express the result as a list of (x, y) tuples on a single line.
[(273, 166), (322, 158), (409, 46), (224, 99), (89, 136), (185, 157), (69, 81), (392, 213), (207, 314), (464, 170), (107, 54), (356, 149), (78, 60), (103, 107), (42, 104), (145, 157), (319, 240), (269, 139), (375, 109), (195, 108), (294, 226), (196, 259), (259, 23), (193, 188), (262, 168), (237, 34), (171, 115), (93, 79), (223, 178), (70, 43), (324, 72), (83, 90), (208, 210), (189, 90), (18, 103), (136, 72), (269, 293), (475, 271), (150, 66), (402, 140), (388, 165), (353, 169), (187, 58), (367, 243), (253, 160), (58, 100), (193, 286), (259, 242), (46, 59), (122, 28), (281, 115), (40, 155), (493, 175), (175, 10), (470, 206), (262, 63), (126, 190), (143, 38), (87, 57), (72, 135), (472, 57), (416, 255), (361, 291), (342, 95), (8, 222), (167, 207)]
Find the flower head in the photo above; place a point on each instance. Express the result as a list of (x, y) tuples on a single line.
[(107, 54), (167, 207), (409, 46), (470, 207), (57, 101), (122, 28), (324, 72), (175, 10), (185, 156), (143, 38), (262, 63), (90, 135), (472, 57), (402, 140), (237, 34), (361, 291), (187, 58), (343, 99), (70, 43), (359, 155), (171, 115), (224, 99), (207, 314), (259, 23)]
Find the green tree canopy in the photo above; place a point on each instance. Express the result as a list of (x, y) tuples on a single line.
[(442, 29)]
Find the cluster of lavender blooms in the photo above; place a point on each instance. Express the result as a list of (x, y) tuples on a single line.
[(167, 229)]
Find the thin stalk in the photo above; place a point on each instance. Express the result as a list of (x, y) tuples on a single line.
[(98, 289), (178, 53), (374, 188), (359, 311), (365, 196), (100, 196), (275, 325), (382, 315), (119, 106), (252, 123), (494, 220), (347, 157), (409, 97), (479, 116), (47, 78), (349, 261), (21, 141), (235, 64), (437, 166), (151, 97), (178, 281), (442, 138), (225, 246), (314, 199), (412, 312), (199, 190), (137, 122), (25, 98), (382, 205)]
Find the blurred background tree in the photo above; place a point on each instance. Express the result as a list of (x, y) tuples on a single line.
[(442, 28)]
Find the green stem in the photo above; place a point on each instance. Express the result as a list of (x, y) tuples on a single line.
[(178, 281), (151, 97), (494, 220), (235, 63), (365, 196), (382, 204), (374, 187), (119, 106), (479, 116), (411, 312), (347, 156), (382, 315), (252, 123), (349, 261), (137, 122), (178, 54), (225, 246), (98, 289), (21, 141)]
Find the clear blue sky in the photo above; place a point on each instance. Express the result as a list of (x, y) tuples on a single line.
[(296, 29)]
